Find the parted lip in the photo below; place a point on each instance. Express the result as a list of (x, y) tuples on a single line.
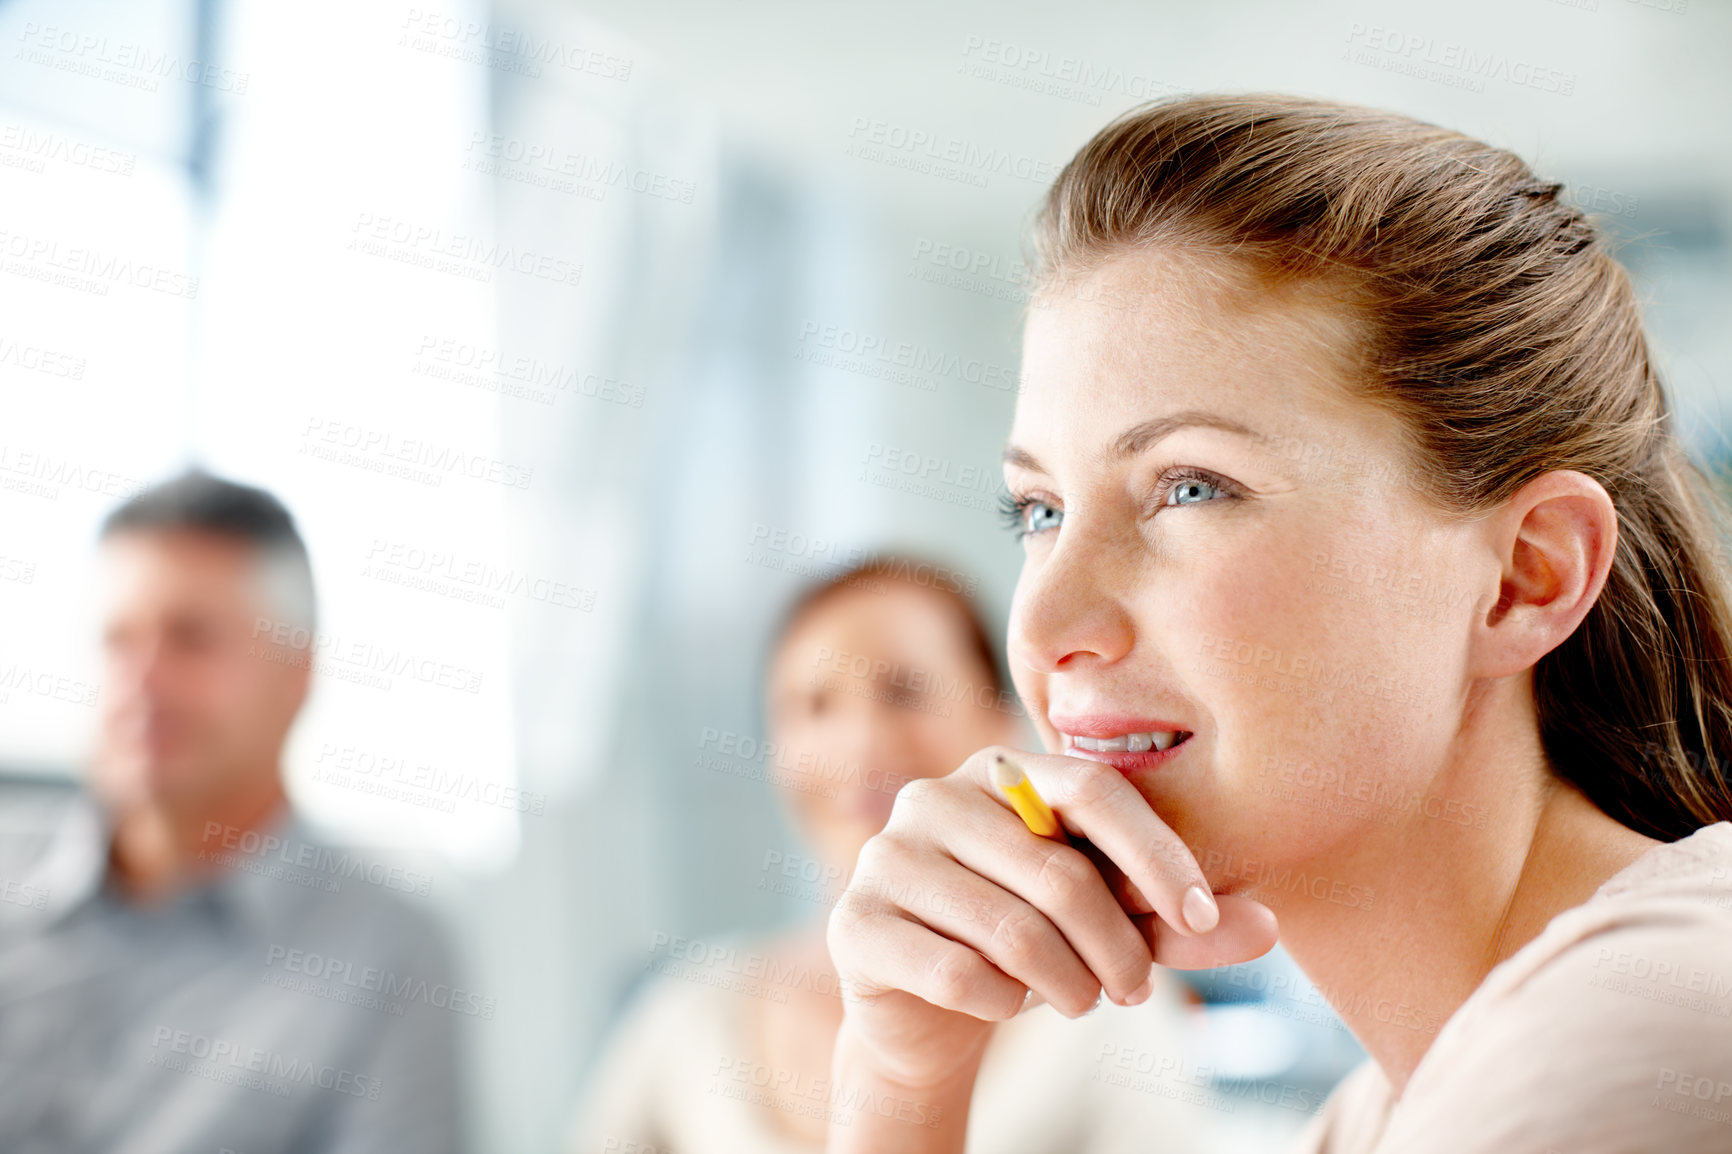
[(1104, 725)]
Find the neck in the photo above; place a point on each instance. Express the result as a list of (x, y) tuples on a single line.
[(1463, 879), (157, 844)]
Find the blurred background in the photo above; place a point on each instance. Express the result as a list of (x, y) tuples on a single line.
[(580, 337)]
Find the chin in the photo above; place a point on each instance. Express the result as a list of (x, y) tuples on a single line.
[(164, 780), (1221, 832), (124, 784)]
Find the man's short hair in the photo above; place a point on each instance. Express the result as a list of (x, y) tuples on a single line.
[(198, 502)]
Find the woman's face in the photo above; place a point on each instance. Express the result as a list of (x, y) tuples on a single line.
[(1221, 543), (875, 686)]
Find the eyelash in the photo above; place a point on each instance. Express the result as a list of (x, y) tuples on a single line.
[(1013, 510)]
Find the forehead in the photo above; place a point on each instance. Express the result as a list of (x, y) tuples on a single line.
[(190, 569), (1152, 332), (883, 616)]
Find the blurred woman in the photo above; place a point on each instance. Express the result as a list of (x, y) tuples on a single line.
[(882, 676)]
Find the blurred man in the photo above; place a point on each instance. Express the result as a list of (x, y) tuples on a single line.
[(192, 973)]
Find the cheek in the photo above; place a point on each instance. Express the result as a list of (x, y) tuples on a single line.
[(230, 681), (243, 690), (1030, 691), (1316, 687)]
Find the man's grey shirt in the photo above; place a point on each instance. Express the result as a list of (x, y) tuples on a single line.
[(297, 1000)]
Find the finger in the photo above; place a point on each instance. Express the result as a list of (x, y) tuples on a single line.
[(1056, 879), (1248, 930), (957, 902), (1124, 891), (1097, 802), (884, 952)]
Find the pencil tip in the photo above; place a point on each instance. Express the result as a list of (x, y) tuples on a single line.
[(1005, 774)]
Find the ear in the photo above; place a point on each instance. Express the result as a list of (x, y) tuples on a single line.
[(1554, 541)]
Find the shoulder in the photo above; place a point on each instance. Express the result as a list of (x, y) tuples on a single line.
[(52, 852), (1588, 1033), (674, 1010), (1698, 866), (354, 903), (1665, 921), (645, 1087), (670, 1034), (1633, 991)]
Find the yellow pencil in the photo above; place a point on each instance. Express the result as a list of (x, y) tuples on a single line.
[(1033, 811)]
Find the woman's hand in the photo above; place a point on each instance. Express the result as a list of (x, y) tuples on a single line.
[(956, 911)]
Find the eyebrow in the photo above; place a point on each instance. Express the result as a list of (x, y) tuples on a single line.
[(1140, 436)]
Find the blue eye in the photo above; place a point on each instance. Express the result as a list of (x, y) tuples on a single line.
[(1193, 491), (1027, 515), (1038, 515)]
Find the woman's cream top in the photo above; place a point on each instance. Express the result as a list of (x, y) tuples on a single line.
[(1610, 1032), (678, 1080)]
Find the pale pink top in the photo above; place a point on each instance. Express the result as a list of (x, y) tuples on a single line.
[(1609, 1032), (679, 1078)]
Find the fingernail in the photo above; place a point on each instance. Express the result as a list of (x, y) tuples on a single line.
[(1141, 993), (1201, 912)]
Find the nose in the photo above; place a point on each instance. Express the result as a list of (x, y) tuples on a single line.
[(158, 671), (1067, 610), (137, 667)]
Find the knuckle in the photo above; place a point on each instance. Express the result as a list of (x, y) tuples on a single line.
[(953, 974), (845, 920), (840, 944), (1017, 937), (873, 885), (914, 796), (874, 856), (1062, 877)]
